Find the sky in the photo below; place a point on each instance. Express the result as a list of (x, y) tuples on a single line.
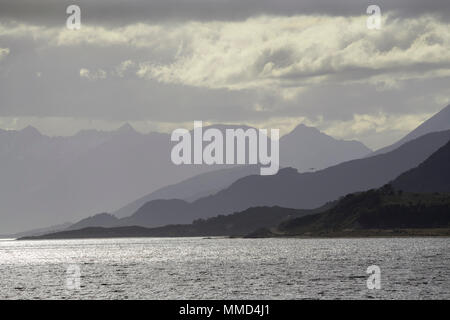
[(160, 65)]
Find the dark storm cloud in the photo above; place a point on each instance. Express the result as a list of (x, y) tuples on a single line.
[(115, 12)]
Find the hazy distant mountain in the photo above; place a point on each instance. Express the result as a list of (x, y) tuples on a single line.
[(193, 188), (98, 220), (37, 232), (306, 148), (433, 175), (49, 180), (439, 122), (237, 224), (377, 212), (29, 161), (291, 189)]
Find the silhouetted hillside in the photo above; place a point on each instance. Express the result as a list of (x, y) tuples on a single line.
[(384, 212), (98, 220), (291, 189), (237, 224), (433, 175), (380, 209), (48, 180), (193, 188), (304, 148)]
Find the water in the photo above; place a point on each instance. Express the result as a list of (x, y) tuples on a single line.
[(195, 268)]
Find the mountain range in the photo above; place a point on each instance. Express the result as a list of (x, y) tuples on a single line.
[(193, 188), (386, 211), (237, 224), (201, 195), (211, 182), (292, 189), (51, 180), (415, 203), (323, 151)]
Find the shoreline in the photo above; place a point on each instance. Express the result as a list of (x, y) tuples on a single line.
[(397, 233)]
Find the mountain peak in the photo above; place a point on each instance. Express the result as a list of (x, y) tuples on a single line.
[(304, 128), (30, 131), (307, 147), (126, 128), (302, 125), (306, 132)]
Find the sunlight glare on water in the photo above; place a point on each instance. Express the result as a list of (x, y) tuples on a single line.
[(196, 268)]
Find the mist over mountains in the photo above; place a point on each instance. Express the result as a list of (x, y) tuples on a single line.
[(439, 122), (193, 188), (48, 180), (413, 166), (319, 150), (292, 189), (325, 185), (51, 180), (386, 211)]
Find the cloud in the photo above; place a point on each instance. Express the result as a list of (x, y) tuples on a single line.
[(136, 35), (294, 53), (3, 52), (92, 75), (264, 70), (364, 125), (380, 122), (302, 51), (124, 67)]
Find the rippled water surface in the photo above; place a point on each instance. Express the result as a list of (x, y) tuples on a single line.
[(195, 268)]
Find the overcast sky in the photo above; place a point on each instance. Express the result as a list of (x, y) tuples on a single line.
[(163, 64)]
